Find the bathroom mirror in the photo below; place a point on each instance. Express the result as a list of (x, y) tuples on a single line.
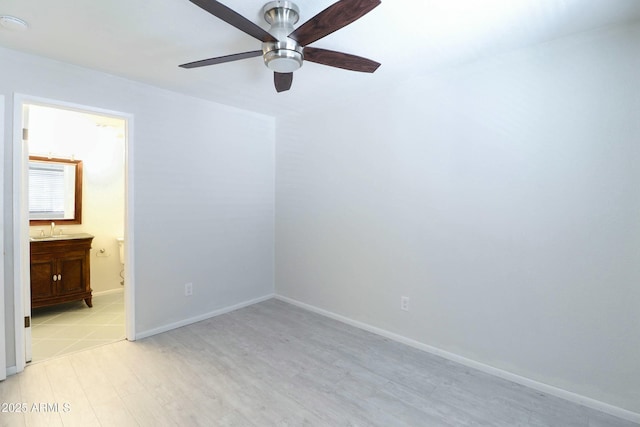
[(55, 191)]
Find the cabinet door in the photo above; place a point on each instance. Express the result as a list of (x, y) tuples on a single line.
[(72, 270), (42, 270)]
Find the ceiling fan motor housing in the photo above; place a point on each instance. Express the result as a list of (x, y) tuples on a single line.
[(285, 55)]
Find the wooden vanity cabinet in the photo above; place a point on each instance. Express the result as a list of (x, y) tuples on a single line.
[(60, 271)]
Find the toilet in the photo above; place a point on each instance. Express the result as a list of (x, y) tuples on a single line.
[(121, 248), (121, 251)]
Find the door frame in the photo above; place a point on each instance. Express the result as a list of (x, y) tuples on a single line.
[(21, 217)]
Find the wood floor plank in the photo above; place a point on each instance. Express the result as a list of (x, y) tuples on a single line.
[(69, 395), (105, 400), (10, 395), (35, 389)]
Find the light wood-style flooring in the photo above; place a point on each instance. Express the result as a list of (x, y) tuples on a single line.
[(273, 364)]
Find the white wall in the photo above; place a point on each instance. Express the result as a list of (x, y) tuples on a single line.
[(204, 185), (2, 292), (501, 197), (65, 133)]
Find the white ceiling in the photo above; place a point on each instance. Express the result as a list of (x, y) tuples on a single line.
[(145, 40)]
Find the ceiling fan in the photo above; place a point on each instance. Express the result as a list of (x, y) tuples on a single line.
[(283, 48)]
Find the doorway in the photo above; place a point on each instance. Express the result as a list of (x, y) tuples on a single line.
[(99, 139)]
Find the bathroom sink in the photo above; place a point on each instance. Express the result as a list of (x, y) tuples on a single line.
[(61, 237)]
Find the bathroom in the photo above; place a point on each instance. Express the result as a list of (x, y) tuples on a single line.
[(97, 141)]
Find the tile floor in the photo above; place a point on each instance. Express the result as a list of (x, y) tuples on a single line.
[(67, 328)]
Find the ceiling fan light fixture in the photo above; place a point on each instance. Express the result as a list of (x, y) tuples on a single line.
[(283, 57), (283, 60)]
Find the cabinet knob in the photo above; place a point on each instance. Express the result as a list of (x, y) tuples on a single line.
[(55, 277), (59, 276)]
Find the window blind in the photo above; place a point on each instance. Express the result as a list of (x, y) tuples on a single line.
[(46, 191)]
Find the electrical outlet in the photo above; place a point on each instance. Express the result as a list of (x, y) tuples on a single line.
[(404, 303), (188, 289)]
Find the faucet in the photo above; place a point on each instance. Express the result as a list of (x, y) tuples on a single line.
[(53, 228)]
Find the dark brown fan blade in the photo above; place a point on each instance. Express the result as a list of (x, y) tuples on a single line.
[(340, 60), (232, 17), (282, 81), (222, 59), (336, 16)]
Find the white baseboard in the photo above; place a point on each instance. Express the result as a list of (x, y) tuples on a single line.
[(536, 385), (12, 370), (107, 292), (205, 316)]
